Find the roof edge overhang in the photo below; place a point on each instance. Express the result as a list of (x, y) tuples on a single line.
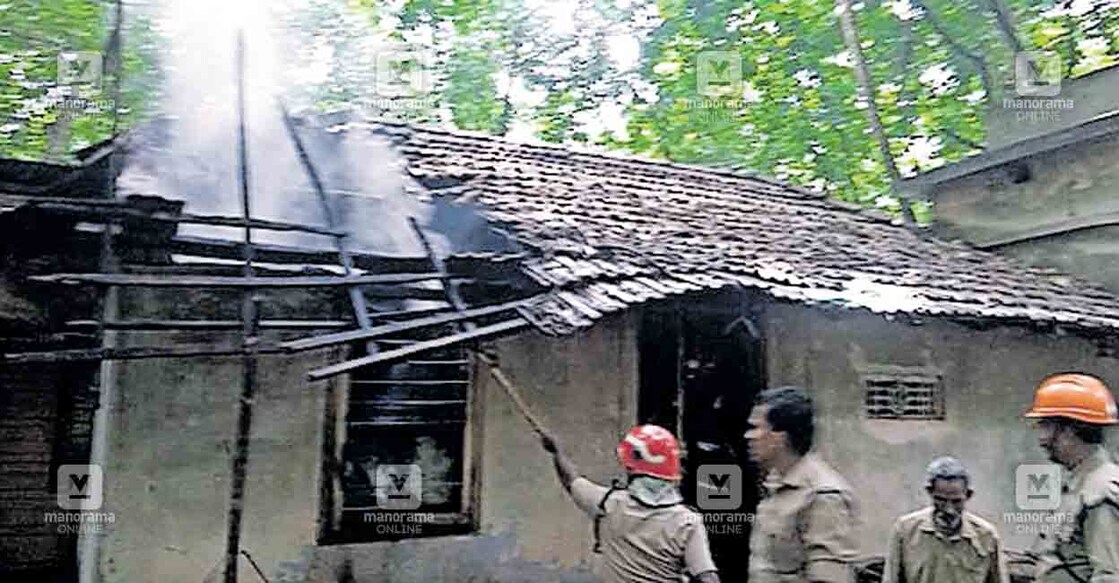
[(1098, 128)]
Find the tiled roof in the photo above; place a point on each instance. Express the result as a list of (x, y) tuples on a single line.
[(612, 231)]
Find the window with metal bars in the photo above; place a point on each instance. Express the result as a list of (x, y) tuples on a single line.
[(409, 415), (903, 393)]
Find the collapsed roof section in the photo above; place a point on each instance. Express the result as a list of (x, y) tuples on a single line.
[(589, 234), (608, 232)]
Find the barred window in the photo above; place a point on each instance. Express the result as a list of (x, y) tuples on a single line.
[(409, 419), (903, 393)]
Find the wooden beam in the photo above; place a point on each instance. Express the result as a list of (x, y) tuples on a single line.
[(395, 327), (418, 347), (137, 280), (208, 324), (389, 315), (103, 212), (27, 200), (357, 298), (133, 353), (268, 253), (250, 315)]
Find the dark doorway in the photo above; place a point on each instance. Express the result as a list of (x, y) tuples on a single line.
[(701, 366)]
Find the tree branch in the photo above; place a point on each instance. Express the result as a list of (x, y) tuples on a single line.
[(1005, 20), (958, 49), (866, 93)]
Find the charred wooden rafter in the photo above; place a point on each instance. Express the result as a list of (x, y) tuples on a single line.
[(396, 327), (140, 280), (398, 354), (357, 298), (137, 353), (106, 211), (231, 250), (187, 325)]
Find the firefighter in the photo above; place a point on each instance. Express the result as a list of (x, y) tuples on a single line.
[(804, 528), (943, 542), (1072, 411), (642, 527)]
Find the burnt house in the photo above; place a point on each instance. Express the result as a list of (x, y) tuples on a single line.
[(611, 290)]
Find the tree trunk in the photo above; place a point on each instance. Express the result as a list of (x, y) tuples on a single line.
[(866, 93), (1005, 19)]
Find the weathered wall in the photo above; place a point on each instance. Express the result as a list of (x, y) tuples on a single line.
[(1074, 183), (169, 464), (989, 377), (171, 436), (45, 412), (167, 479), (1012, 118), (584, 389)]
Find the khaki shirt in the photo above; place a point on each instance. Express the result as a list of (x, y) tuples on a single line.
[(805, 527), (1085, 549), (642, 543), (919, 553)]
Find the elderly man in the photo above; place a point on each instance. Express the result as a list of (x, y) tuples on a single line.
[(1072, 411), (944, 543), (805, 524), (643, 529)]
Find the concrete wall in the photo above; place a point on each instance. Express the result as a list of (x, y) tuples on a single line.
[(169, 464), (584, 387), (989, 377), (167, 480), (1012, 118), (1078, 182), (171, 436)]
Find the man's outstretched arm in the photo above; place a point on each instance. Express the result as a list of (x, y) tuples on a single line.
[(565, 468)]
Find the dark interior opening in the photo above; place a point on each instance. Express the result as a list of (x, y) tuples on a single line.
[(701, 367)]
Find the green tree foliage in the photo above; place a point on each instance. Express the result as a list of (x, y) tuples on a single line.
[(625, 74), (41, 118), (936, 65)]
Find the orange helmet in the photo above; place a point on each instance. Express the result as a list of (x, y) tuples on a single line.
[(1075, 396), (650, 450)]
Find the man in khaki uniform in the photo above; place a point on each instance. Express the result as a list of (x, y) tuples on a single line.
[(643, 529), (1072, 411), (944, 543), (804, 528)]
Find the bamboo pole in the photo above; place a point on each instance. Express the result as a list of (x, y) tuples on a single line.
[(514, 394), (249, 319), (89, 543)]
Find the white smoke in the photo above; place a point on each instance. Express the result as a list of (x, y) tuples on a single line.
[(196, 158)]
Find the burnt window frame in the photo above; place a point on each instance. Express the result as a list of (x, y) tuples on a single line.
[(341, 523)]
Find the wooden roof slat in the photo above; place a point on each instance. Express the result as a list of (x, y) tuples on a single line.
[(418, 347), (139, 280), (396, 327)]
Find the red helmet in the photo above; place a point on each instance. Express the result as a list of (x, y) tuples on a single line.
[(650, 450)]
